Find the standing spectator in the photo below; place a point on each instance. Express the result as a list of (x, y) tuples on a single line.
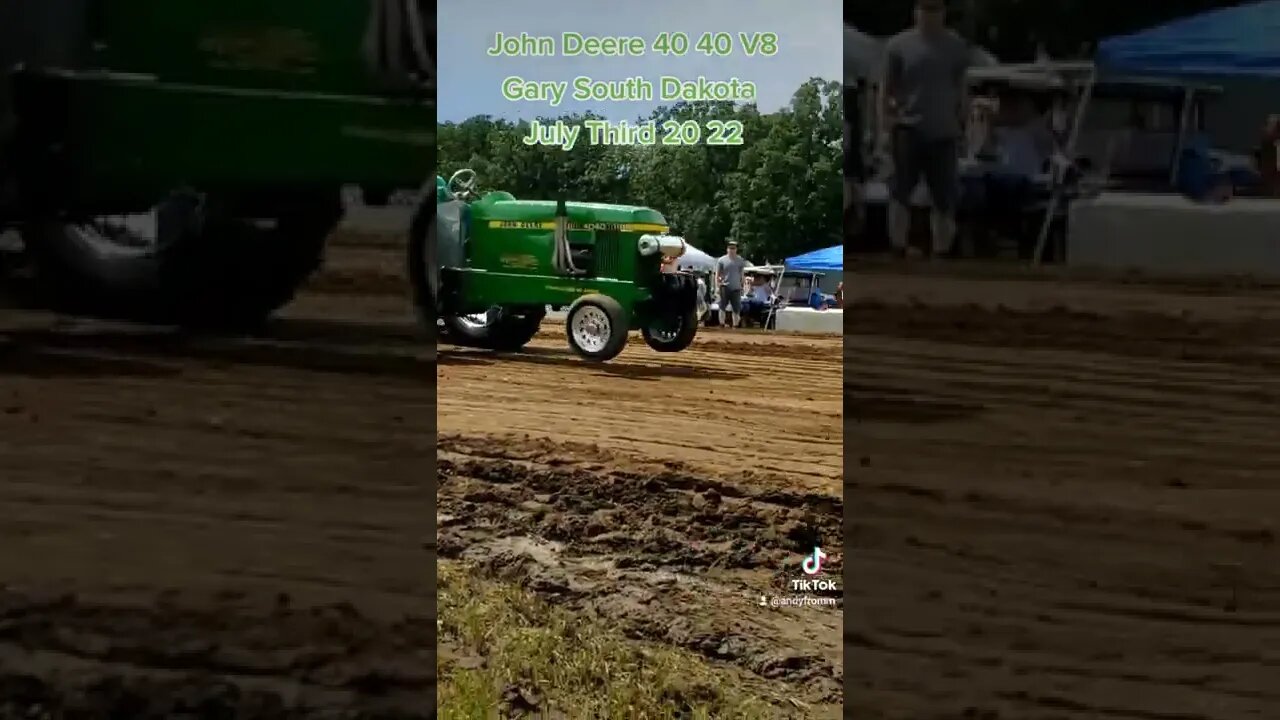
[(729, 276), (924, 100), (1268, 155)]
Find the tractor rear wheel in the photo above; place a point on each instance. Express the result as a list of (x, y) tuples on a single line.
[(503, 329), (422, 265), (597, 327), (193, 261)]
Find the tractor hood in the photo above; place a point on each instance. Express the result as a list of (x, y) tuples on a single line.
[(502, 208)]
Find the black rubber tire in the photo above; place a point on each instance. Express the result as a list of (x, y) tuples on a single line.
[(512, 329), (421, 262), (681, 339), (224, 273), (619, 327), (509, 332)]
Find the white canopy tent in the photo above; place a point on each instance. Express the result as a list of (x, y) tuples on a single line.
[(981, 57), (695, 260), (863, 56)]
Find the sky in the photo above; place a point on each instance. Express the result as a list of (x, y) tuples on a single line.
[(810, 44)]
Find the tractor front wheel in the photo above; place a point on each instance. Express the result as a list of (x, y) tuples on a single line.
[(672, 333), (597, 327)]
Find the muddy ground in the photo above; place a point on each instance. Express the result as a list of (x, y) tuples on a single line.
[(221, 528), (1064, 499), (663, 493), (236, 527)]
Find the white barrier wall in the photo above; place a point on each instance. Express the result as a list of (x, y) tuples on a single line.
[(1170, 235), (807, 320)]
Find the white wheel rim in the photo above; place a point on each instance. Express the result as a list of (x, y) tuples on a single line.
[(478, 321), (667, 335), (591, 329)]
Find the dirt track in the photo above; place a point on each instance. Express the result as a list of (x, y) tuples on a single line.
[(234, 524), (1064, 499), (232, 528), (1091, 533), (665, 493)]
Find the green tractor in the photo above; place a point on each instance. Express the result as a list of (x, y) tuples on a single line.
[(486, 268), (185, 162)]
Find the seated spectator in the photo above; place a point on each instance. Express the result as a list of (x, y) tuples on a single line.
[(1198, 177), (758, 299), (762, 291), (1023, 138), (817, 299), (1023, 144)]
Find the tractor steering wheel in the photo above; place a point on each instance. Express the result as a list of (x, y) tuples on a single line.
[(465, 181)]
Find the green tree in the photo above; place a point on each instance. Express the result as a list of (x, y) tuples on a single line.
[(788, 197), (692, 184)]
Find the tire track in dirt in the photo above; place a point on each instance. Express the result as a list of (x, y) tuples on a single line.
[(64, 657), (1245, 342), (666, 555), (278, 481), (727, 408), (666, 493), (1094, 536)]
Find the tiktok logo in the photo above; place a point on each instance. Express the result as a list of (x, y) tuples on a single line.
[(813, 563)]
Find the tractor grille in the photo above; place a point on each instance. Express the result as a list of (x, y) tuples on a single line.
[(607, 254)]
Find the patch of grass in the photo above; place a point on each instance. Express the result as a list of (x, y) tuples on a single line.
[(505, 652)]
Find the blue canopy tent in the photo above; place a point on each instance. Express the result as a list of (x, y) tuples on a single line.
[(1242, 41), (825, 260), (1238, 41)]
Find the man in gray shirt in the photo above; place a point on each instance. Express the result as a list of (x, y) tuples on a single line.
[(923, 104), (729, 271)]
